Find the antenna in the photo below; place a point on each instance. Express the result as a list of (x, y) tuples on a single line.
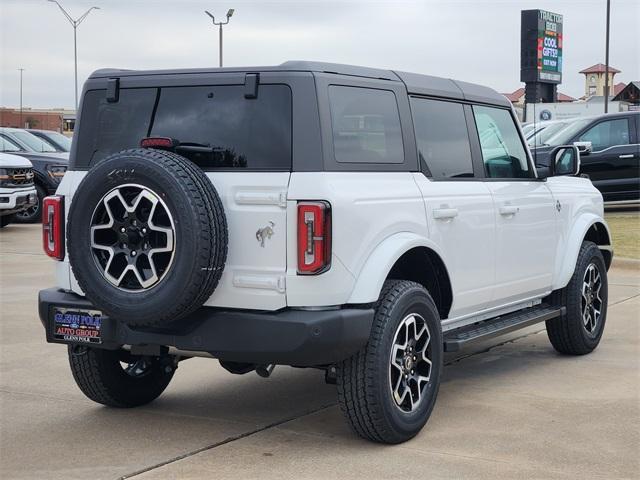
[(535, 136)]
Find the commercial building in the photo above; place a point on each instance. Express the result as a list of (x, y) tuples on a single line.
[(594, 80), (57, 119)]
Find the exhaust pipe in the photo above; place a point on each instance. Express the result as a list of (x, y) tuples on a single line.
[(265, 370)]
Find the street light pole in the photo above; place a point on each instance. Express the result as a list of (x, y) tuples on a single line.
[(21, 124), (74, 23), (220, 24), (606, 62)]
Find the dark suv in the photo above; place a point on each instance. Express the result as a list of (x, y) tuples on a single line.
[(610, 152)]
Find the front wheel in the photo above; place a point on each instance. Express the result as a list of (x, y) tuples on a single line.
[(33, 214), (388, 389), (6, 220), (118, 379), (580, 330)]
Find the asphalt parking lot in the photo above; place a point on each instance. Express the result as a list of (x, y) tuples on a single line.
[(510, 409)]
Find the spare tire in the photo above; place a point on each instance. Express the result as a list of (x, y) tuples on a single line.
[(147, 237)]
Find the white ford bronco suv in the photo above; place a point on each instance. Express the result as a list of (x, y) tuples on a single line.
[(352, 219)]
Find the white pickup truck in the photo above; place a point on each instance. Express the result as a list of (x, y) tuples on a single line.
[(352, 219), (17, 190)]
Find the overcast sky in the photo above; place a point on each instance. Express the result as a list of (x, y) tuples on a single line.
[(476, 41)]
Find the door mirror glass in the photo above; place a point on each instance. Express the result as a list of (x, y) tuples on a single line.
[(584, 147), (566, 160)]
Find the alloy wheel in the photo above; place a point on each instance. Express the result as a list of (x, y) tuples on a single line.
[(591, 299), (132, 237), (410, 362)]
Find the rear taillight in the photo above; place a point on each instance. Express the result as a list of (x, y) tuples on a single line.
[(314, 237), (53, 226)]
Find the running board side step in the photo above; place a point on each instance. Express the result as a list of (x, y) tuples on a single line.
[(493, 327)]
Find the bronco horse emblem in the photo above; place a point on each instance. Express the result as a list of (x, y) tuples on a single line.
[(265, 233)]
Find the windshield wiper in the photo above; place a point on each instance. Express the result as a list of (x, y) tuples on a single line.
[(196, 148), (176, 145)]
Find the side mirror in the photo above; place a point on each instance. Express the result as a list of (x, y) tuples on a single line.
[(585, 148), (565, 160)]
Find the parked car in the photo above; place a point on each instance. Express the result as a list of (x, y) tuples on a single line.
[(402, 217), (527, 129), (60, 142), (546, 131), (49, 167), (610, 152), (17, 191)]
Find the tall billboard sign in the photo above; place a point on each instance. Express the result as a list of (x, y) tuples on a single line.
[(541, 47)]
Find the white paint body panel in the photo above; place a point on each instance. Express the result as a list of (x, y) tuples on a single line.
[(366, 209), (466, 239), (497, 263), (581, 207), (525, 217)]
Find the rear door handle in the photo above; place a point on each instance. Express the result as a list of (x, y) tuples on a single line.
[(508, 210), (626, 155), (445, 213)]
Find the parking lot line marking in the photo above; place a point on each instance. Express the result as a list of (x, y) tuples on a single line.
[(225, 441)]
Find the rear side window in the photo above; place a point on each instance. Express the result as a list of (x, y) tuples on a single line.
[(366, 125), (235, 132), (503, 153), (442, 138)]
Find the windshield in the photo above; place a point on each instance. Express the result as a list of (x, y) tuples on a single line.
[(60, 139), (527, 129), (34, 143), (541, 137), (566, 134), (7, 145)]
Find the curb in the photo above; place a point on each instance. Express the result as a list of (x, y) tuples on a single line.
[(626, 263)]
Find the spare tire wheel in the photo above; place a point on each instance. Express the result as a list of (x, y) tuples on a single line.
[(147, 237)]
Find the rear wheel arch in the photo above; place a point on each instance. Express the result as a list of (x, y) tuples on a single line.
[(424, 266), (405, 256)]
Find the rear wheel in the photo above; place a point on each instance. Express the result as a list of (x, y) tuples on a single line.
[(580, 330), (118, 379), (388, 390)]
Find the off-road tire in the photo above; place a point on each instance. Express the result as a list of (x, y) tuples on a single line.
[(568, 334), (200, 229), (33, 215), (102, 378), (363, 380)]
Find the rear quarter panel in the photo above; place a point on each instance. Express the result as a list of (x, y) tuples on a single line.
[(367, 208)]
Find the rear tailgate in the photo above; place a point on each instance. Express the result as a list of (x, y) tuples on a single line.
[(248, 159)]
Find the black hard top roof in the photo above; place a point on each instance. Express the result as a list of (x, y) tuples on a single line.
[(415, 83)]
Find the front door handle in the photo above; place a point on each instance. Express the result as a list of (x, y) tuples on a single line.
[(445, 213), (507, 210), (626, 155)]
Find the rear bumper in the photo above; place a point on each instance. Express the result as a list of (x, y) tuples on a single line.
[(288, 337)]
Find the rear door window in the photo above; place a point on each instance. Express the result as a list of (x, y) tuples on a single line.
[(233, 131), (366, 125), (442, 138)]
